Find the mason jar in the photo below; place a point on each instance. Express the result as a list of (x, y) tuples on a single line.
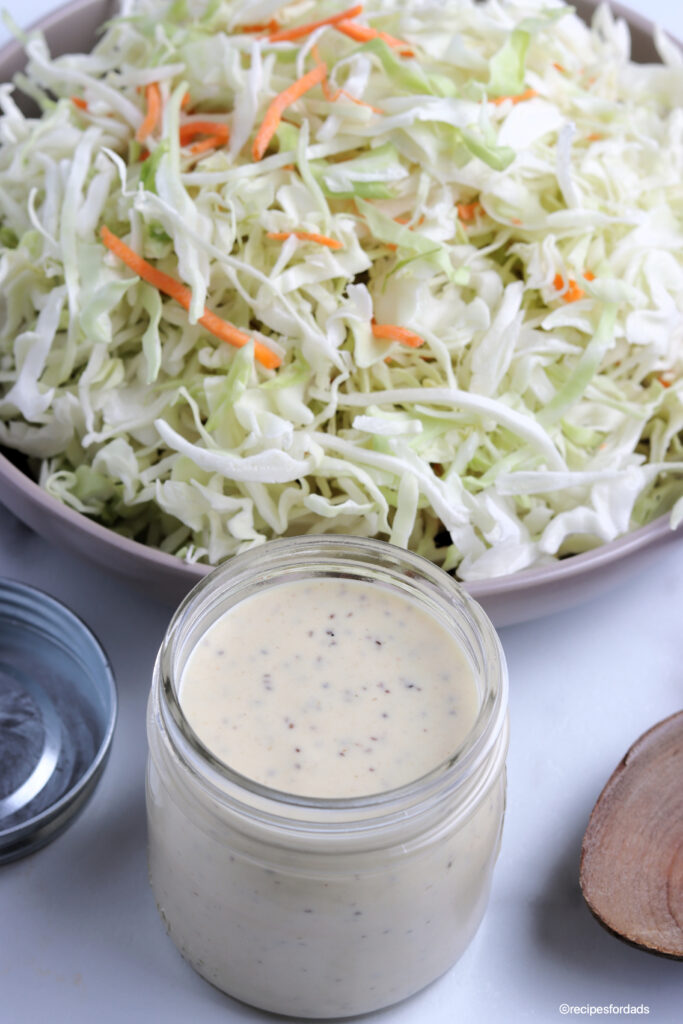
[(324, 907)]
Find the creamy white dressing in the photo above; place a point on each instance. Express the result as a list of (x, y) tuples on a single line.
[(325, 934), (350, 682), (329, 688)]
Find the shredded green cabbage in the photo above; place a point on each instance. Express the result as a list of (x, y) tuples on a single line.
[(511, 193)]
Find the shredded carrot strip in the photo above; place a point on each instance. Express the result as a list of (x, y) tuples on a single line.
[(515, 220), (332, 97), (392, 332), (327, 92), (528, 94), (324, 85), (276, 109), (594, 136), (664, 381), (212, 128), (572, 293), (559, 67), (299, 31), (271, 26), (213, 142), (360, 103), (364, 34), (185, 101), (401, 220), (79, 102), (307, 236), (153, 97), (589, 275), (468, 211), (406, 220), (226, 332), (182, 294)]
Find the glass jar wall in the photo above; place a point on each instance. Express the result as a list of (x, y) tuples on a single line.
[(324, 907)]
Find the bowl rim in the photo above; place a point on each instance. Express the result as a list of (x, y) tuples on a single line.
[(526, 579)]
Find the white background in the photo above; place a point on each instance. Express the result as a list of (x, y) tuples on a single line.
[(80, 939)]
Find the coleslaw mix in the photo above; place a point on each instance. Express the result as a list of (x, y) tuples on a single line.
[(448, 238)]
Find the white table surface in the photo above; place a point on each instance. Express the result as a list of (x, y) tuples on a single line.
[(80, 938)]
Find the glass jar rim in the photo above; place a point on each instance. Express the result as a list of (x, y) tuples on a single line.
[(351, 557)]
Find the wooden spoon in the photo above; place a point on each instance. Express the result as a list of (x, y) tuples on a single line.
[(632, 853)]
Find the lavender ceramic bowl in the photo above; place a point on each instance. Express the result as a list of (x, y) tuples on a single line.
[(509, 599)]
